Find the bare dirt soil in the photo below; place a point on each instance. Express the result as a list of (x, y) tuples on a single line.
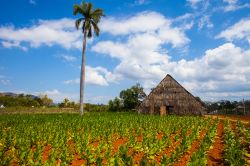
[(187, 155), (245, 119), (215, 155)]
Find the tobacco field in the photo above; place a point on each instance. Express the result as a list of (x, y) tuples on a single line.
[(122, 139)]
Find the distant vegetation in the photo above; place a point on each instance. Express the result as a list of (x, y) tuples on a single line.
[(228, 107), (21, 100), (21, 103), (128, 100)]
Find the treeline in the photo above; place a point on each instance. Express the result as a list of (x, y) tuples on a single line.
[(128, 99), (228, 107), (10, 100), (25, 101)]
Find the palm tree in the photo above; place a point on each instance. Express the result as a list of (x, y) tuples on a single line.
[(88, 23)]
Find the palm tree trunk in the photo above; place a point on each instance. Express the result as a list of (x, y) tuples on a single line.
[(82, 76)]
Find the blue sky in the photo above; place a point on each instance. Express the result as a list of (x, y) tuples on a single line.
[(203, 44)]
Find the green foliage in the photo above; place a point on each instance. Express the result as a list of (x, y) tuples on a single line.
[(132, 97), (96, 107), (229, 107), (68, 104), (90, 18), (129, 99), (45, 100), (115, 105), (233, 148), (24, 137), (200, 156), (25, 101)]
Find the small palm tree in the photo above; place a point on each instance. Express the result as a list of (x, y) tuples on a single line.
[(88, 23)]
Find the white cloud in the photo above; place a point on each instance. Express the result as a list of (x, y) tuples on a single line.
[(96, 76), (140, 2), (230, 1), (201, 15), (45, 32), (142, 22), (74, 81), (185, 21), (240, 30), (194, 3), (150, 23), (4, 80), (233, 5), (54, 94), (97, 99), (8, 44), (33, 2), (68, 58), (184, 17), (224, 69), (145, 40), (205, 22)]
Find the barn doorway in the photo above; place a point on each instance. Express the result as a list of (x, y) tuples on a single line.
[(170, 110), (156, 110)]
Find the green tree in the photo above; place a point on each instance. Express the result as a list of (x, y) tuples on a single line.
[(90, 19), (111, 106), (132, 97), (19, 100), (66, 102), (115, 105), (46, 101)]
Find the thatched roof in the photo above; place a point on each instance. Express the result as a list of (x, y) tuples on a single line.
[(170, 93)]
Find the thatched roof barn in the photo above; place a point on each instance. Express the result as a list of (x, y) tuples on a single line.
[(169, 97)]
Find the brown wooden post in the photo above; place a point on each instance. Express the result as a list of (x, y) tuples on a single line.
[(163, 111)]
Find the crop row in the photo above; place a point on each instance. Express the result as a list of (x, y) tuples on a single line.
[(121, 139)]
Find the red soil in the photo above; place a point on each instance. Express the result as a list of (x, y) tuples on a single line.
[(170, 149), (138, 157), (139, 139), (233, 126), (118, 143), (159, 136), (77, 161), (215, 155), (187, 155), (244, 119), (14, 163), (46, 152), (95, 144)]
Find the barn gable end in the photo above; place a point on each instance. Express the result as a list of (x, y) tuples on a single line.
[(170, 97)]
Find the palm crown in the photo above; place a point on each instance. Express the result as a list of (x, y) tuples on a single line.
[(90, 18)]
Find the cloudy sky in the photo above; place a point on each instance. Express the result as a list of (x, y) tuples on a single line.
[(203, 44)]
